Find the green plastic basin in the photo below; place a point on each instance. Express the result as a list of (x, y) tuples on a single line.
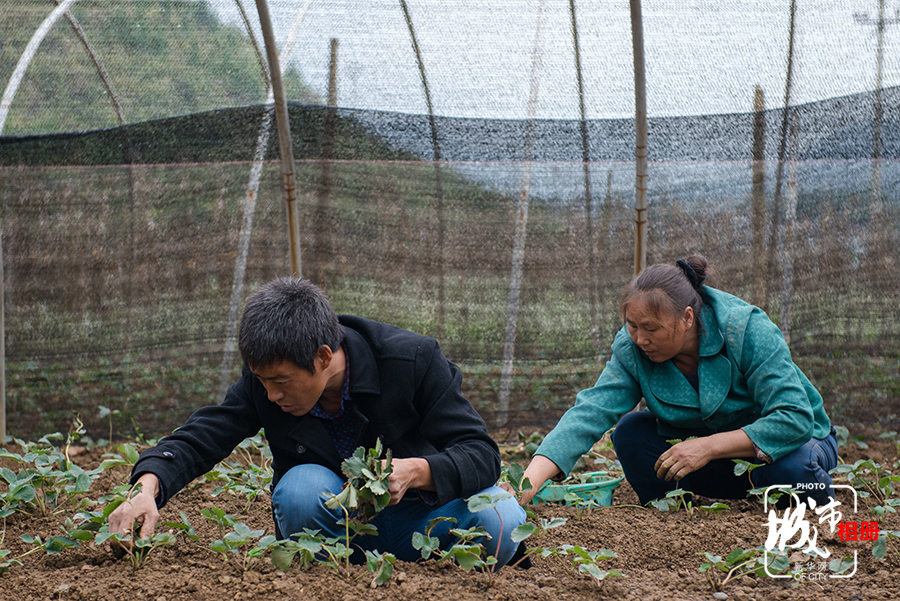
[(592, 487)]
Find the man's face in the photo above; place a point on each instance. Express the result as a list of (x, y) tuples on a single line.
[(293, 388)]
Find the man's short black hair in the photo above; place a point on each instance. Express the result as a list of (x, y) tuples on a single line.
[(287, 319)]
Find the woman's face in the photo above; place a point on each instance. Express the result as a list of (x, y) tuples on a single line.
[(659, 341)]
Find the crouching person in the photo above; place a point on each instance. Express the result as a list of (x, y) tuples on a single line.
[(320, 385)]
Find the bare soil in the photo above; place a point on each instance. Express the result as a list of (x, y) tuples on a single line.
[(657, 552)]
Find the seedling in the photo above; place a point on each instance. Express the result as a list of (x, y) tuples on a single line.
[(588, 562), (126, 457), (773, 495), (673, 500), (237, 546), (366, 492), (304, 546), (108, 413), (367, 489), (240, 482), (514, 474), (46, 480), (137, 550), (716, 507), (880, 547), (526, 530), (530, 443), (469, 551), (745, 467), (739, 563), (223, 521), (381, 566), (869, 478)]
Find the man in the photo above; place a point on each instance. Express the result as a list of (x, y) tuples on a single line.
[(321, 386)]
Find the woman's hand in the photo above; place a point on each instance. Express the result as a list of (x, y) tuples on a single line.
[(538, 471), (689, 456), (682, 459)]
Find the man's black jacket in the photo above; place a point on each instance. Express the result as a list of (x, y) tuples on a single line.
[(403, 390)]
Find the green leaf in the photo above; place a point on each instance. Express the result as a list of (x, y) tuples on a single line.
[(57, 544), (522, 532), (282, 557), (839, 566), (130, 453), (427, 545), (484, 501), (467, 556), (553, 523)]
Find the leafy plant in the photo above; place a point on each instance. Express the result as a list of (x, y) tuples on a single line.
[(366, 492), (717, 507), (247, 482), (773, 496), (223, 521), (469, 551), (880, 546), (106, 412), (871, 479), (126, 544), (745, 467), (237, 546), (739, 563), (381, 566), (588, 562), (367, 489), (303, 546), (525, 531), (126, 457), (45, 480), (673, 500), (530, 442)]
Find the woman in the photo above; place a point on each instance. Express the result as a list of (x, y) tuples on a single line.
[(717, 375)]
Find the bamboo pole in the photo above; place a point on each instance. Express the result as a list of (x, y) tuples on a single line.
[(438, 173), (880, 24), (521, 230), (2, 345), (789, 227), (588, 201), (284, 137), (640, 131), (777, 234), (758, 217), (320, 229)]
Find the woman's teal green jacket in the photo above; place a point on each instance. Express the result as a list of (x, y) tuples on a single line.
[(747, 380)]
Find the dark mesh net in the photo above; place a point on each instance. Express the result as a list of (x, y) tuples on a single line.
[(129, 249)]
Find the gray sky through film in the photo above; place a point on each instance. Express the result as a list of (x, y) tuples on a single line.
[(702, 56)]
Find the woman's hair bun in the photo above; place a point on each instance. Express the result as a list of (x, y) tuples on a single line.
[(694, 269)]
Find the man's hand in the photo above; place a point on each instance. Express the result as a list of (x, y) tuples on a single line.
[(139, 509), (412, 472)]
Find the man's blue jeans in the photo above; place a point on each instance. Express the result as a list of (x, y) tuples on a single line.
[(638, 446), (298, 503)]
